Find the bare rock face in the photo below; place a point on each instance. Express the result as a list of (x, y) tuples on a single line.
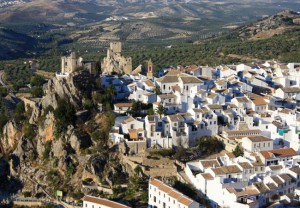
[(40, 148), (57, 148), (79, 141), (36, 112), (11, 136), (46, 133), (25, 151), (97, 165), (61, 88)]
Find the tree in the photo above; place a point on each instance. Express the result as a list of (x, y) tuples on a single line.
[(110, 92), (19, 112), (135, 109), (36, 81), (29, 131), (64, 115), (209, 145), (238, 151), (37, 92), (157, 90), (161, 110), (150, 111)]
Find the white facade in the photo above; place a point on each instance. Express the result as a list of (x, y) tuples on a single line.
[(96, 202), (162, 195)]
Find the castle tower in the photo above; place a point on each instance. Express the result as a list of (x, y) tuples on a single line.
[(150, 69), (116, 47)]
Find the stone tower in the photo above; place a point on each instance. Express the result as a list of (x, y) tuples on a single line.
[(116, 47), (114, 62), (69, 64), (150, 69)]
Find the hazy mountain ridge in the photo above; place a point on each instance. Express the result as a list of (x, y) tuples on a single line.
[(90, 25)]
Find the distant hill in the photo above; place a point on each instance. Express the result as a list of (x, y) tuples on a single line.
[(271, 26), (89, 25), (14, 44), (242, 45)]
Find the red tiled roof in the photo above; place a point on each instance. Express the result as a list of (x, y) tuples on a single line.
[(284, 152), (171, 192), (103, 202), (124, 104)]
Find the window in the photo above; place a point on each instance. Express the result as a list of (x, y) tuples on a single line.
[(132, 126)]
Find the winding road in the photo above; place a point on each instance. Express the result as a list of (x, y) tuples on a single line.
[(1, 80)]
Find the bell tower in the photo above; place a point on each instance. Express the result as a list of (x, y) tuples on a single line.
[(150, 69)]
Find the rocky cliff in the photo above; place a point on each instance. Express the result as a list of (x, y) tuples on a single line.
[(270, 26), (42, 154)]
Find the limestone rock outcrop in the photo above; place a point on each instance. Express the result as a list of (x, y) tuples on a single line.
[(11, 135), (25, 151), (61, 88)]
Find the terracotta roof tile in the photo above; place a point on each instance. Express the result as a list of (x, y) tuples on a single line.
[(186, 201), (103, 202), (284, 152), (124, 104)]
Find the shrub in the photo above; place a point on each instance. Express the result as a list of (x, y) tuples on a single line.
[(64, 116), (238, 151), (210, 145), (29, 131), (19, 112), (37, 92), (47, 150), (36, 81), (27, 194)]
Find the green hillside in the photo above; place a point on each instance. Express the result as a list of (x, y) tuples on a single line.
[(13, 43)]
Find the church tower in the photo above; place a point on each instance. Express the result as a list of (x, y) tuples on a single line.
[(150, 70)]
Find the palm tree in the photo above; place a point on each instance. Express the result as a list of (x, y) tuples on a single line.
[(161, 110)]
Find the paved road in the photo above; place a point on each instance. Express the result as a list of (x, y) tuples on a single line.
[(1, 80)]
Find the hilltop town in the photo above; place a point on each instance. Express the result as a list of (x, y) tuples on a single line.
[(250, 109), (183, 136)]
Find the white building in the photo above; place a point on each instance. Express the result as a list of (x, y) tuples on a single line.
[(164, 196), (96, 202)]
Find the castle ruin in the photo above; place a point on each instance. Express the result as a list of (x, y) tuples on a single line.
[(114, 62), (69, 64)]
